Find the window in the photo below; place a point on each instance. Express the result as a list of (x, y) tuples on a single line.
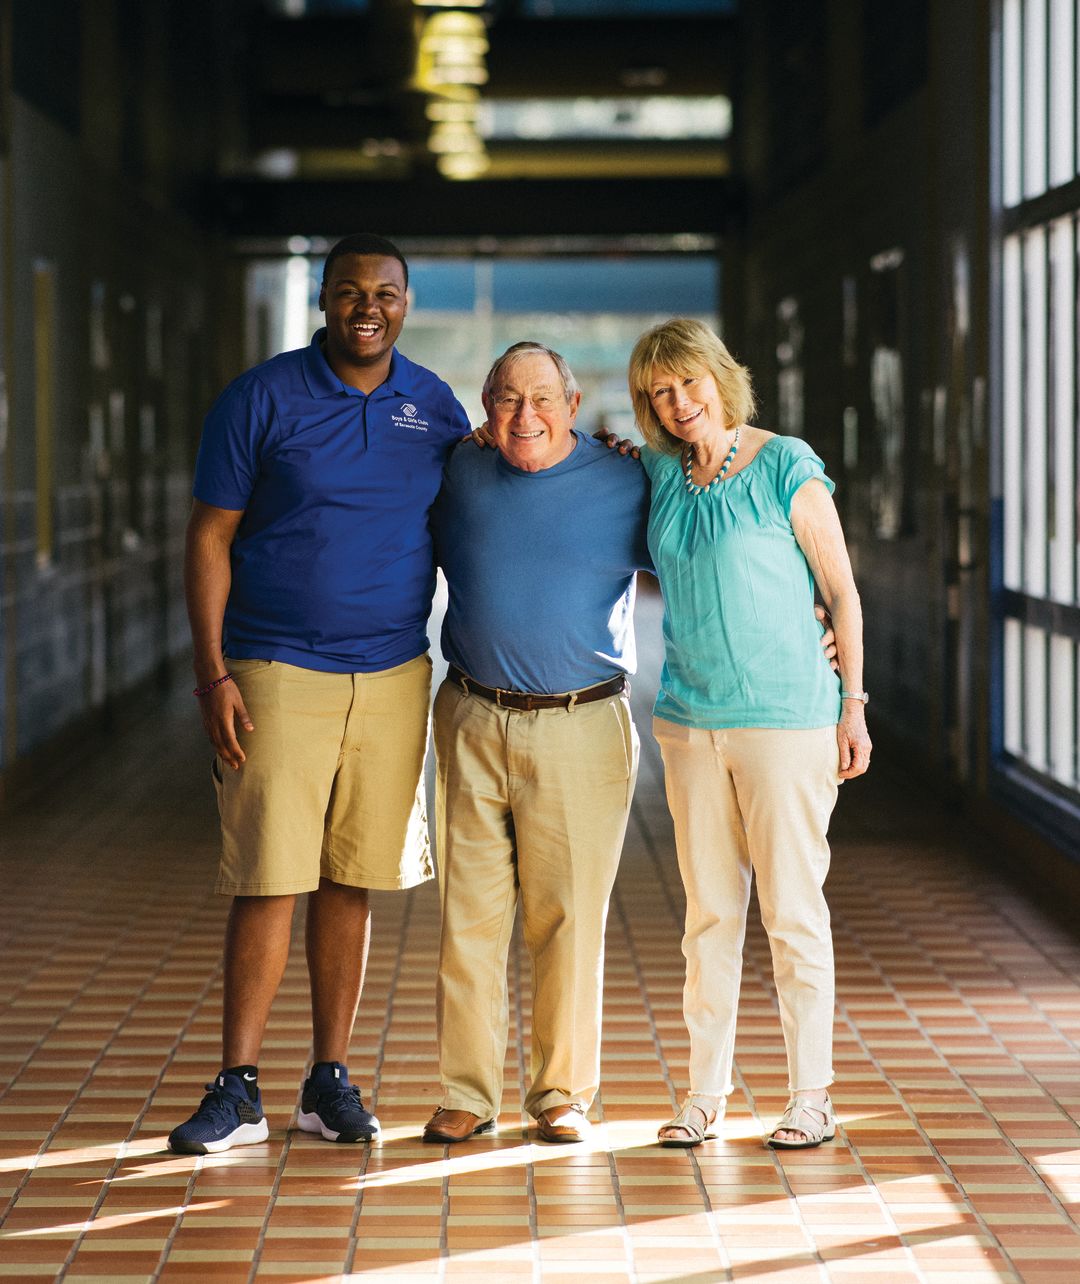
[(1040, 195)]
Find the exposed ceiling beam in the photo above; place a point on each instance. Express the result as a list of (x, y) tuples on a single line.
[(483, 208), (328, 55), (609, 56), (617, 158), (310, 123), (327, 58)]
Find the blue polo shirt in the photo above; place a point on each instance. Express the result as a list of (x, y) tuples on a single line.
[(332, 565), (540, 566)]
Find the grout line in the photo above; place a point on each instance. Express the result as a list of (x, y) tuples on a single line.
[(517, 970), (170, 1238), (946, 931), (639, 972), (376, 1078), (912, 1115), (286, 1147), (122, 1149)]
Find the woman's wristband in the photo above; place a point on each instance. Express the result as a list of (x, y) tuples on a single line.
[(201, 691), (862, 696)]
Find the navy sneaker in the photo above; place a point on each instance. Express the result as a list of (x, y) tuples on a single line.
[(331, 1105), (226, 1117)]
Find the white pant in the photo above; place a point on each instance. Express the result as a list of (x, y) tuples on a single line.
[(750, 799)]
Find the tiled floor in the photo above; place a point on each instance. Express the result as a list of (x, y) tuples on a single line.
[(958, 1159)]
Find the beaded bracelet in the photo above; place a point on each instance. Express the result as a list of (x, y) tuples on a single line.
[(201, 691)]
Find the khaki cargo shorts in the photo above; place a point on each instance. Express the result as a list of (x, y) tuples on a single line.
[(333, 785)]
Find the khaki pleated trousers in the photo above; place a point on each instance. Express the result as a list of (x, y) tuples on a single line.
[(531, 808)]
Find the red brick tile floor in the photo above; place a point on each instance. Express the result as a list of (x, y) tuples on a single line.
[(958, 1016)]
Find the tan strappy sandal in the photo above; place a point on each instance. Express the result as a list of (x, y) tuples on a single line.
[(814, 1119), (686, 1122)]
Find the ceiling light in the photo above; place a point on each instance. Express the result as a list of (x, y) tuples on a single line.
[(463, 165), (444, 109), (450, 65), (459, 26), (451, 51), (447, 138), (463, 74)]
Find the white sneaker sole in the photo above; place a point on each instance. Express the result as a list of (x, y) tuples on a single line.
[(245, 1135), (312, 1123)]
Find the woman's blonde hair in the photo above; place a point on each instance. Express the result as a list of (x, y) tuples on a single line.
[(687, 348)]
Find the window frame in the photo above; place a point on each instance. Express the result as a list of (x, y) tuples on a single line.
[(1035, 385)]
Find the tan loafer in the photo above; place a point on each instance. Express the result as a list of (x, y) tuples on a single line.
[(448, 1126), (563, 1123)]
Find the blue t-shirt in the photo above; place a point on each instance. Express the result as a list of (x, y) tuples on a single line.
[(332, 564), (742, 646), (541, 566)]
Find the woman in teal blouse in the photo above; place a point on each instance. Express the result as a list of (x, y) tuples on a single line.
[(755, 728)]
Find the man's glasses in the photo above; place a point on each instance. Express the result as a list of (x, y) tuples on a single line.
[(509, 403)]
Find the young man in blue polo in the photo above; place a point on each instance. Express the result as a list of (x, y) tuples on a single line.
[(309, 576)]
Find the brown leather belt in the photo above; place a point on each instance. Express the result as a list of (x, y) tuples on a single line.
[(527, 702)]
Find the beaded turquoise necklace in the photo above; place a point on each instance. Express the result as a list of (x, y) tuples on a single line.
[(688, 466)]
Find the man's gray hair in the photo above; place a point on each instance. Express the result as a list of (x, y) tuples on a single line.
[(529, 349)]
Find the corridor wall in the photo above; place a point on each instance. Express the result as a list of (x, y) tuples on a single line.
[(865, 294), (116, 321)]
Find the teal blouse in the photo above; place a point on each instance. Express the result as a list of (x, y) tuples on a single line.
[(742, 644)]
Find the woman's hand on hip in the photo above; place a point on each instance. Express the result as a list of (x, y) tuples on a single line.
[(828, 638), (853, 740)]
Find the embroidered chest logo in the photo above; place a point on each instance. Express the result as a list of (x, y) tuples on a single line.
[(409, 417)]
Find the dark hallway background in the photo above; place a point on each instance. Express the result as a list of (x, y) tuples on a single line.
[(884, 198), (877, 204)]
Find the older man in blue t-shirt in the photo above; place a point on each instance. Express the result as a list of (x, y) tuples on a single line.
[(536, 750), (309, 577)]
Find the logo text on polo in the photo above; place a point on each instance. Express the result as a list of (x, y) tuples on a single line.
[(408, 417)]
